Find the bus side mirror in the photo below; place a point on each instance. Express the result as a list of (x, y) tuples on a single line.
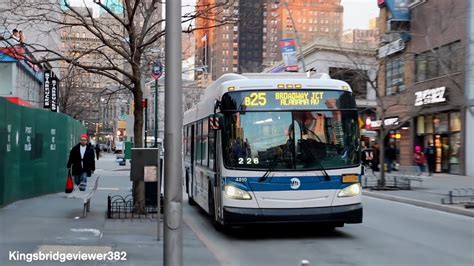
[(216, 121), (217, 105)]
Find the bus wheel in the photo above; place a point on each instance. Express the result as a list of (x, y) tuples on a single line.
[(212, 211), (188, 190), (191, 201)]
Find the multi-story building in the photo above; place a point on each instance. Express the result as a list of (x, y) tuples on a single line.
[(310, 18), (244, 36), (20, 79), (354, 63), (361, 36), (374, 23), (217, 45), (422, 78), (81, 91)]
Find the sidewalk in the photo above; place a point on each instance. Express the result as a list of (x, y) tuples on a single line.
[(55, 223), (429, 193)]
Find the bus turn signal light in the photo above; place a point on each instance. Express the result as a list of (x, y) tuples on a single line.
[(351, 178)]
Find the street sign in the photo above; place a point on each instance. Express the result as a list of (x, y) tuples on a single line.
[(47, 89), (157, 70)]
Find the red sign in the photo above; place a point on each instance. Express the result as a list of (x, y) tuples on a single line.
[(19, 101)]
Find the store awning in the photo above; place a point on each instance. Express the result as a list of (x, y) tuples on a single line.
[(399, 9)]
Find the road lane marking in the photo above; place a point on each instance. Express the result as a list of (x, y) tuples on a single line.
[(87, 230)]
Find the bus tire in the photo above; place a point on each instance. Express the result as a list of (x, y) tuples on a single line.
[(191, 201), (212, 212), (188, 190)]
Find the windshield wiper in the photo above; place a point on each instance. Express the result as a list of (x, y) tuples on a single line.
[(274, 163), (320, 165)]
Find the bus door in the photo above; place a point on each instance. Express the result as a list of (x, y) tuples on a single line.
[(215, 156), (191, 188)]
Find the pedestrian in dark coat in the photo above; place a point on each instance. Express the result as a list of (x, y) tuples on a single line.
[(390, 157), (376, 158), (430, 153), (97, 151), (81, 162)]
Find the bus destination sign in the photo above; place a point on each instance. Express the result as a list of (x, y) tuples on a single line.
[(305, 99)]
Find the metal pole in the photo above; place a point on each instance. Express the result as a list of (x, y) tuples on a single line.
[(469, 92), (158, 196), (173, 231), (146, 121), (156, 113), (298, 41)]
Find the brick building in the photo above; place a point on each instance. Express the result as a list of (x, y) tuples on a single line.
[(422, 77)]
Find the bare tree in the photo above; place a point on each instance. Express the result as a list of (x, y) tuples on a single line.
[(128, 33)]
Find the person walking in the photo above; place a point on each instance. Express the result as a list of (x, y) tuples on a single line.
[(420, 159), (430, 153), (81, 162), (390, 156), (97, 151), (376, 158)]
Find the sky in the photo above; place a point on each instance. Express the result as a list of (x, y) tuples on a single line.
[(356, 12)]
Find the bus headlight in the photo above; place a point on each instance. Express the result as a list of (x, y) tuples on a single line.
[(350, 191), (236, 193)]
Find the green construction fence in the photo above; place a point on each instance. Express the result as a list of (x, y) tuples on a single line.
[(34, 149)]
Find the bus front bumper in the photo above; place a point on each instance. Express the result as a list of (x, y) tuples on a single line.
[(334, 214)]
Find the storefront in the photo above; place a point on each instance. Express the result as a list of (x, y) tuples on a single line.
[(444, 130), (441, 124)]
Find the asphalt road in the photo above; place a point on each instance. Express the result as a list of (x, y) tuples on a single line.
[(391, 234)]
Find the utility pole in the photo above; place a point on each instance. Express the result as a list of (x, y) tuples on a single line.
[(156, 113), (156, 73), (173, 224), (297, 35), (145, 106)]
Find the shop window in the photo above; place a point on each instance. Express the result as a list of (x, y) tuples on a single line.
[(455, 152), (420, 125), (440, 123), (455, 121), (429, 124)]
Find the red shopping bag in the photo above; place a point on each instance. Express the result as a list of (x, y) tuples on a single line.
[(69, 183)]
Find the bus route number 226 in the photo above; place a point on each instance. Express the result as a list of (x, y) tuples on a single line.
[(256, 99)]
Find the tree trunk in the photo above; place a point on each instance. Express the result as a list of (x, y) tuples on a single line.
[(138, 186), (382, 157)]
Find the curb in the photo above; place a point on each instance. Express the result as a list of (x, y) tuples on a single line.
[(420, 203)]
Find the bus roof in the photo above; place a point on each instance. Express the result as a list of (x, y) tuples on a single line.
[(258, 81)]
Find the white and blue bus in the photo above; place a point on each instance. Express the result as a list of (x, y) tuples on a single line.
[(274, 148)]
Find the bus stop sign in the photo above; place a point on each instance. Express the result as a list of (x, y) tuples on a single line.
[(157, 70)]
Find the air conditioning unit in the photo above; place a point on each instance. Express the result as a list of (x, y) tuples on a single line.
[(398, 26), (414, 3)]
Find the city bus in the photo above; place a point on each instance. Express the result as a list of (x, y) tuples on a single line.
[(274, 148)]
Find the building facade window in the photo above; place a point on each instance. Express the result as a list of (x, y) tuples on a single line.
[(394, 74), (438, 62)]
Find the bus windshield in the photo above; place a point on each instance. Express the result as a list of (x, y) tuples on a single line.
[(291, 140)]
